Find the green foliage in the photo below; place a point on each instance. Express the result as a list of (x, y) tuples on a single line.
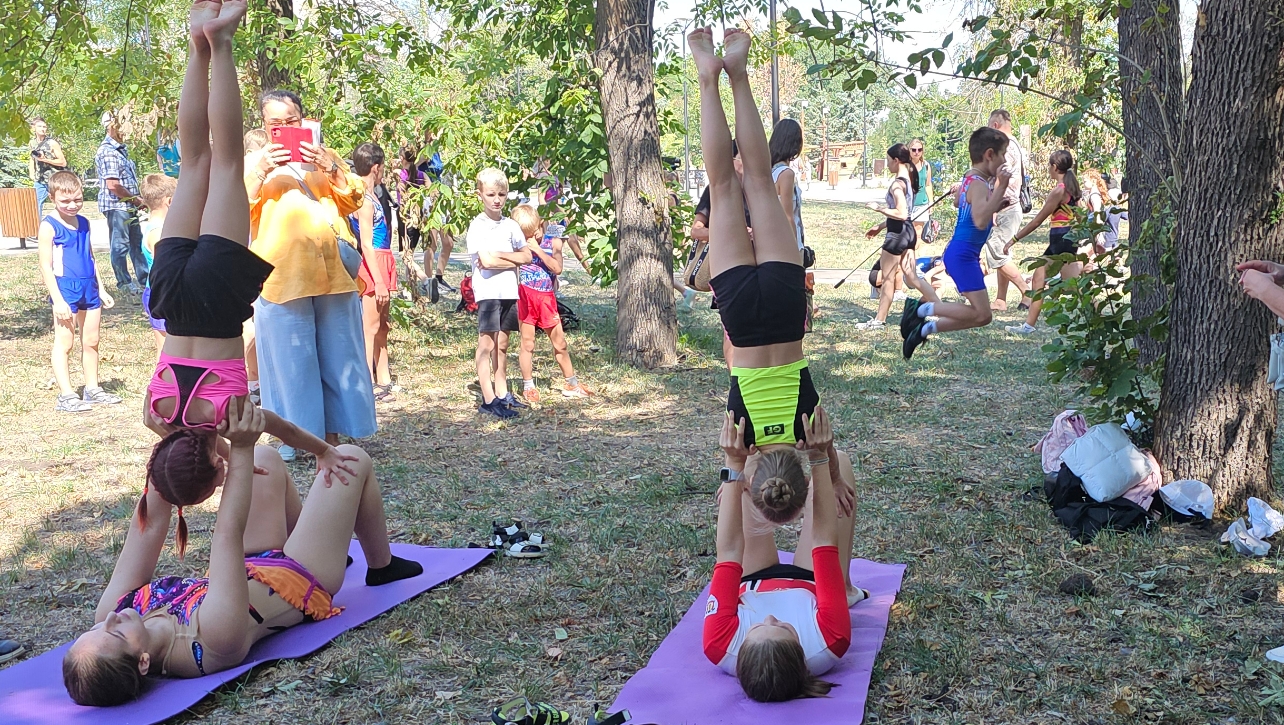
[(14, 167), (1097, 330)]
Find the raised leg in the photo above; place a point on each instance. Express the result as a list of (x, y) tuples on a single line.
[(331, 515), (188, 204), (773, 232), (227, 208), (730, 245), (270, 520), (760, 540)]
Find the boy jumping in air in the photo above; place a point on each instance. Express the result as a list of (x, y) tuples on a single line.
[(75, 290), (498, 249), (978, 201), (537, 305)]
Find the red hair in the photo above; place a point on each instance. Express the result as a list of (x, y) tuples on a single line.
[(182, 471)]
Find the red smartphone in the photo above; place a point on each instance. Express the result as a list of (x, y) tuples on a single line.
[(290, 137)]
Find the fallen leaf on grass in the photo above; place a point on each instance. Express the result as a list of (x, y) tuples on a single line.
[(448, 695), (1121, 704), (401, 636), (554, 652), (560, 634)]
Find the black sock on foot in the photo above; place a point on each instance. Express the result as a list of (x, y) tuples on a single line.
[(397, 570)]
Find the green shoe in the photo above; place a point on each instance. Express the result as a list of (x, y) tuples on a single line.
[(524, 712), (909, 317)]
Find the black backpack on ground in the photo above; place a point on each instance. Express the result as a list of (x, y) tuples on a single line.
[(570, 320)]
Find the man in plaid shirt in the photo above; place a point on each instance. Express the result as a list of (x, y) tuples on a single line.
[(118, 200)]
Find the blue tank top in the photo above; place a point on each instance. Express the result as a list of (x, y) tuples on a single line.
[(966, 232), (73, 256), (379, 237)]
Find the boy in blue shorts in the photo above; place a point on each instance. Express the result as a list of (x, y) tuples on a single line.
[(75, 290), (980, 196)]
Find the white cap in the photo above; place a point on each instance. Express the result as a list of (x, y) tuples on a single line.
[(108, 119)]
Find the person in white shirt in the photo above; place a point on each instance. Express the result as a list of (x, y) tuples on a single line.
[(498, 249)]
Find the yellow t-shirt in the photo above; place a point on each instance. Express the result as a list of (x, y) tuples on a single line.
[(297, 235)]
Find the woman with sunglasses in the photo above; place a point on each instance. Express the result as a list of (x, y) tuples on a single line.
[(924, 194)]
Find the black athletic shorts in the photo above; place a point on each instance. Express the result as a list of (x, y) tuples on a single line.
[(901, 237), (762, 305), (780, 571), (1058, 244), (205, 287), (497, 316)]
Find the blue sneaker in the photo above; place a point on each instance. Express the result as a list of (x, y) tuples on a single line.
[(497, 408), (287, 453), (511, 401)]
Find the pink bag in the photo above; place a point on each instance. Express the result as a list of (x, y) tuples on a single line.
[(1066, 427), (1143, 493)]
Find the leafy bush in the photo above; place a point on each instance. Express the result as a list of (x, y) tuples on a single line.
[(14, 167), (1093, 315)]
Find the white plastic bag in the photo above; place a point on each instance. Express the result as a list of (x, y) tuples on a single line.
[(1189, 497), (1239, 537), (1106, 461), (1264, 521)]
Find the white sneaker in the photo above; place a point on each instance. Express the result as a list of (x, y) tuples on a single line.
[(871, 325), (1024, 328), (287, 453)]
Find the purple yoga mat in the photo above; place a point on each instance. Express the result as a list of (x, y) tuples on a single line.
[(679, 686), (31, 692)]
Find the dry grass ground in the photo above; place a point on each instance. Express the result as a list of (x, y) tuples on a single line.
[(623, 485)]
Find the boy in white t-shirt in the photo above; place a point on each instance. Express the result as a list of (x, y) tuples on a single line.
[(498, 249)]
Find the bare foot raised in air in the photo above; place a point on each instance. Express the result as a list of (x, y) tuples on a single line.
[(201, 13), (222, 28), (708, 64), (735, 52)]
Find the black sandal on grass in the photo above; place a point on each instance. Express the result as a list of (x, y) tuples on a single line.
[(524, 712)]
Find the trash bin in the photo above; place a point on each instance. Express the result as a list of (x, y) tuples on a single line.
[(18, 215)]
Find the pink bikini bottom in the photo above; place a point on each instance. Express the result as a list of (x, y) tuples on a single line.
[(192, 380)]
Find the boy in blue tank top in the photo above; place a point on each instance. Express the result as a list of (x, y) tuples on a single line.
[(980, 196), (75, 291)]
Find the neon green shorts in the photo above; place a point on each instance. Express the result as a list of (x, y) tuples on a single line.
[(772, 400)]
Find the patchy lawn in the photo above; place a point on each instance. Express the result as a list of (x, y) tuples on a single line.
[(623, 485)]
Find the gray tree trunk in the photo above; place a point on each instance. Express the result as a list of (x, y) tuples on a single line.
[(1217, 414), (1153, 115), (646, 318)]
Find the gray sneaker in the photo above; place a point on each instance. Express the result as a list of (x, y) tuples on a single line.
[(10, 649), (71, 403), (99, 396), (1024, 328)]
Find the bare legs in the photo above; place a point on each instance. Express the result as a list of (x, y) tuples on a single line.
[(65, 341), (760, 546), (227, 208), (329, 518), (887, 292), (526, 354), (374, 319), (1068, 271), (492, 355)]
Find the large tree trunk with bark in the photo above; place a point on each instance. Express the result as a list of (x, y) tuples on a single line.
[(1154, 112), (646, 319), (1217, 413), (271, 74)]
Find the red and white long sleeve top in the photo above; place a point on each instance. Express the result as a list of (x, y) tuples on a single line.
[(818, 611)]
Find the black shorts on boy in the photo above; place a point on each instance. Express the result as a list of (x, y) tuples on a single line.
[(497, 316)]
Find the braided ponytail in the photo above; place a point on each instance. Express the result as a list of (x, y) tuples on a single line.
[(183, 472)]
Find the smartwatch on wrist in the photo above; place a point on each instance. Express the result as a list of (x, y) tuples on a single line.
[(728, 474)]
